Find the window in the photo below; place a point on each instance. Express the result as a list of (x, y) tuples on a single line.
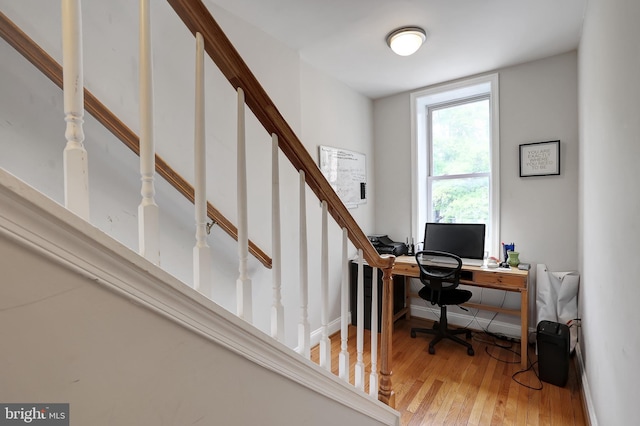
[(456, 156)]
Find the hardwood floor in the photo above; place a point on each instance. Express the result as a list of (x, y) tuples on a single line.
[(452, 388)]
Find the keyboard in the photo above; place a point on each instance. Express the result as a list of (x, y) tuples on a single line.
[(450, 261), (472, 262)]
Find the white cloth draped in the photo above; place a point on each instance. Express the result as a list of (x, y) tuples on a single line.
[(557, 298)]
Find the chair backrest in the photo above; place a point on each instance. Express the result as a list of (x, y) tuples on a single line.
[(439, 276)]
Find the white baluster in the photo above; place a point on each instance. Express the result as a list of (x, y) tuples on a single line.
[(201, 251), (325, 342), (359, 369), (343, 364), (304, 333), (148, 212), (243, 284), (76, 179), (277, 310), (373, 376)]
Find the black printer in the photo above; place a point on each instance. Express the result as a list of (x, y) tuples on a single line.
[(385, 245)]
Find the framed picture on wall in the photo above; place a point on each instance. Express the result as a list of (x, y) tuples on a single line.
[(540, 159)]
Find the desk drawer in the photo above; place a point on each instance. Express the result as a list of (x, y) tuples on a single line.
[(500, 281)]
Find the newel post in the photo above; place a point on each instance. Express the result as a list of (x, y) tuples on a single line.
[(385, 391)]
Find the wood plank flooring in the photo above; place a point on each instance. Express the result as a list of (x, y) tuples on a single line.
[(452, 388)]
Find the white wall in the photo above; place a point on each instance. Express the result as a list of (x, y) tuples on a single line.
[(609, 65), (334, 115), (392, 136), (32, 139), (538, 102)]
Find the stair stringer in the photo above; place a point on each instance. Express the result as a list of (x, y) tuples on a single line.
[(30, 219)]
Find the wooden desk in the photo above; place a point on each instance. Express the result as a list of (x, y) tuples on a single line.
[(501, 279)]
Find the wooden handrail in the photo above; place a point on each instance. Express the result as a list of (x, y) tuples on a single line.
[(197, 18), (50, 68)]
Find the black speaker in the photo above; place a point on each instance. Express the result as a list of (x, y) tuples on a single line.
[(553, 352)]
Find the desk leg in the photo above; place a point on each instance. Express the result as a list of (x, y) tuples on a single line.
[(407, 296), (524, 333)]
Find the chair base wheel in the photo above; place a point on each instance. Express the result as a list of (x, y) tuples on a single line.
[(432, 350), (413, 334), (470, 352)]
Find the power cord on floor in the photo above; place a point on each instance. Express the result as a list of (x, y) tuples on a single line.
[(576, 322), (486, 329), (531, 367), (497, 342), (507, 346)]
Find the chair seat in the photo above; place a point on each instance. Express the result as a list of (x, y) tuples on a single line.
[(449, 297)]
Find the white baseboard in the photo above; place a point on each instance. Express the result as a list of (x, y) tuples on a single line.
[(467, 320), (316, 335), (586, 391)]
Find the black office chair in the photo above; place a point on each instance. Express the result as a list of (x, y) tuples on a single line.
[(440, 288)]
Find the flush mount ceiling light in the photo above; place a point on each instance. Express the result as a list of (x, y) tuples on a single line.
[(406, 41)]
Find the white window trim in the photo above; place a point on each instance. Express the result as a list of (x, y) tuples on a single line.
[(433, 95)]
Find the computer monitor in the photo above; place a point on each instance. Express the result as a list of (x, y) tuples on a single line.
[(462, 239)]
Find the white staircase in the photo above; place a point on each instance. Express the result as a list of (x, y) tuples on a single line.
[(124, 319)]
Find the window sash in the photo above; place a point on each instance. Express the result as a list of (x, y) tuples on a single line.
[(431, 108), (485, 183)]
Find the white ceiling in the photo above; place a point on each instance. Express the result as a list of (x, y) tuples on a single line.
[(346, 38)]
